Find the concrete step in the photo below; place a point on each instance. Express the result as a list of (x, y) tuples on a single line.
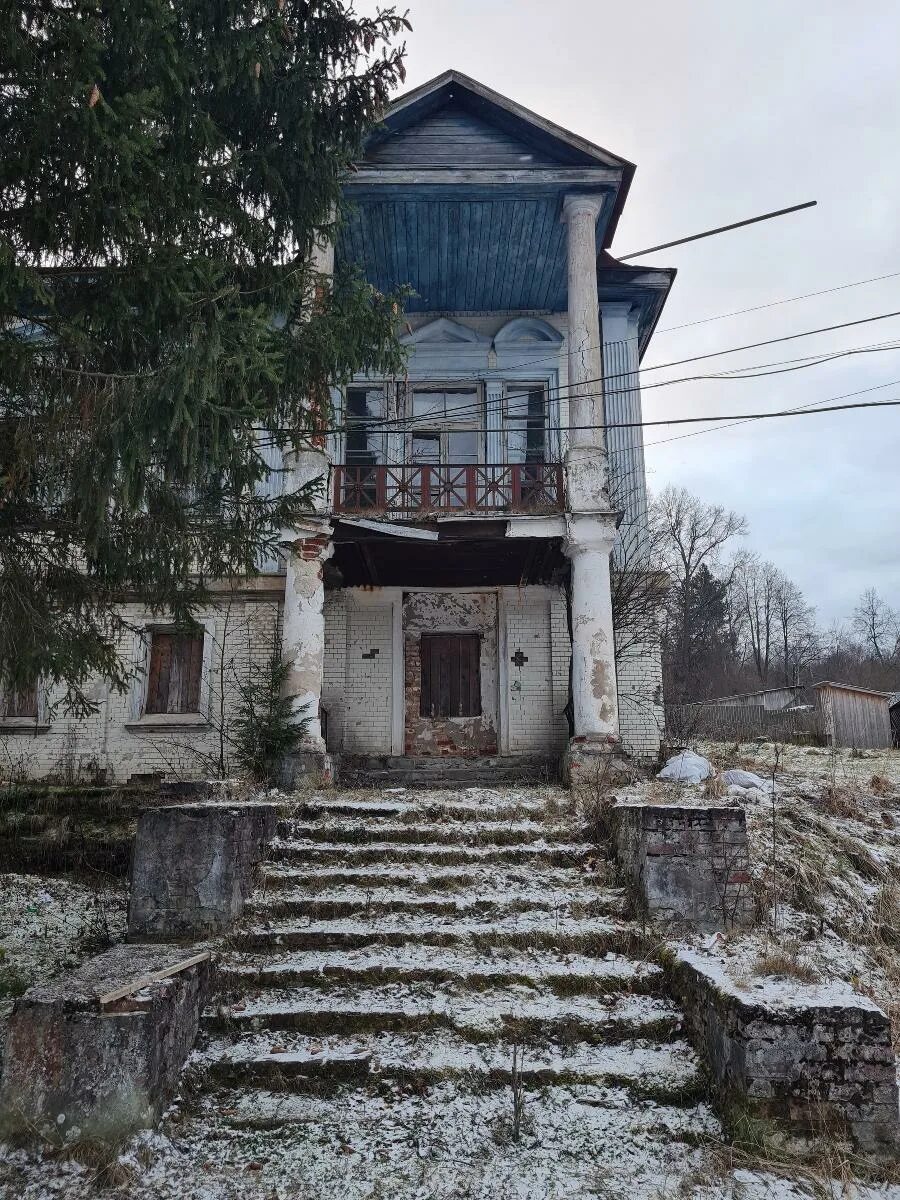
[(375, 903), (434, 771), (508, 1013), (416, 879), (530, 930), (448, 804), (466, 833), (309, 853), (666, 1073), (409, 965)]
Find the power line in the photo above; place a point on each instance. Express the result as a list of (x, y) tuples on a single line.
[(703, 321), (740, 312), (744, 421), (778, 367), (558, 392)]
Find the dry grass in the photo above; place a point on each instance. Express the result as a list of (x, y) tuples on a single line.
[(879, 786), (714, 787), (785, 960), (844, 802)]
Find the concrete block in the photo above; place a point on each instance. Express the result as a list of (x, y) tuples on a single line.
[(686, 863), (776, 1053), (74, 1069), (194, 865)]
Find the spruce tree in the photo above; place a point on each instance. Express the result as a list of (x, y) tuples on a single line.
[(166, 170)]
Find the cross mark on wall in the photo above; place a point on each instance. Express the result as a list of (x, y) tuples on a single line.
[(370, 653), (519, 658)]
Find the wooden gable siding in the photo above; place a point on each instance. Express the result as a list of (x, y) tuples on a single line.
[(462, 255), (453, 137)]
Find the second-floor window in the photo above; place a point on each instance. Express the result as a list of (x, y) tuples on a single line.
[(447, 426), (365, 428), (525, 422)]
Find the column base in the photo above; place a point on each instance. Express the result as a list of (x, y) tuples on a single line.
[(307, 765), (591, 764)]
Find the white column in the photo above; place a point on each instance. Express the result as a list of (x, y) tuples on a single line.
[(589, 543), (305, 549), (303, 625), (585, 460)]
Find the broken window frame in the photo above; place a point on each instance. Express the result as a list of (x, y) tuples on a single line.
[(139, 716), (18, 720)]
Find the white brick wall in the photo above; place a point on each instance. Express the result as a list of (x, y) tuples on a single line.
[(113, 739), (368, 679), (538, 688), (641, 716)]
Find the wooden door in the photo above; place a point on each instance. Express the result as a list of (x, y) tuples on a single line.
[(451, 675)]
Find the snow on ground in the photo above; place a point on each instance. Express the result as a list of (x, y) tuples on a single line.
[(49, 923)]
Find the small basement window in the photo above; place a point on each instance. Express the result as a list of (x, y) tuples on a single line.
[(176, 665), (451, 675)]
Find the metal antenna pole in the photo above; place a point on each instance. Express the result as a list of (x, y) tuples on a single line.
[(721, 229)]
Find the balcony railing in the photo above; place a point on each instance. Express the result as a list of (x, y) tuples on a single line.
[(474, 487)]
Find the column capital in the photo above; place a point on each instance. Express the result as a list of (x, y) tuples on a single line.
[(590, 533), (575, 205)]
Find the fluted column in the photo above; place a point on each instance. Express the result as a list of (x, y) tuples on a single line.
[(625, 444), (585, 460)]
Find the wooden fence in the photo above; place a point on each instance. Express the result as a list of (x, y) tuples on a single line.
[(739, 723)]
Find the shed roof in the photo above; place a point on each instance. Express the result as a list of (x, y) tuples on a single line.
[(851, 687)]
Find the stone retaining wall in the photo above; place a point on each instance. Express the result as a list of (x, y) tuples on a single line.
[(686, 863), (75, 1070), (810, 1057), (194, 865)]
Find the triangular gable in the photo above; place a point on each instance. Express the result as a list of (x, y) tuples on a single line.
[(455, 121)]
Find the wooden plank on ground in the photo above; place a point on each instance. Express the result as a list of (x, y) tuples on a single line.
[(154, 977)]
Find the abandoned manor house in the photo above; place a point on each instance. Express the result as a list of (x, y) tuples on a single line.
[(450, 592)]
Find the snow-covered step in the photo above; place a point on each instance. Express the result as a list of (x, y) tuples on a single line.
[(418, 877), (556, 854), (668, 1072), (358, 902), (528, 930), (563, 974), (448, 806), (464, 833), (488, 1015)]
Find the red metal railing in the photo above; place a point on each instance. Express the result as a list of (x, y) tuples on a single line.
[(473, 487)]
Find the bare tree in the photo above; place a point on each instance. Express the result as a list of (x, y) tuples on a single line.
[(877, 625), (690, 536)]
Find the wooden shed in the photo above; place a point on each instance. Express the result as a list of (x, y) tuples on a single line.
[(853, 716)]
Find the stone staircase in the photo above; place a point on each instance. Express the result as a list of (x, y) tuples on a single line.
[(430, 986)]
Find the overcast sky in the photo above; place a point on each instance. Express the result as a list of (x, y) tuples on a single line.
[(728, 111)]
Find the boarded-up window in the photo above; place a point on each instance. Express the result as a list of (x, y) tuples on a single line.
[(176, 663), (451, 675), (19, 703)]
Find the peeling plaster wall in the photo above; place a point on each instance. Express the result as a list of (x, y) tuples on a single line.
[(451, 612)]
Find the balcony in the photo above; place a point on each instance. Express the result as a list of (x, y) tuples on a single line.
[(411, 489)]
